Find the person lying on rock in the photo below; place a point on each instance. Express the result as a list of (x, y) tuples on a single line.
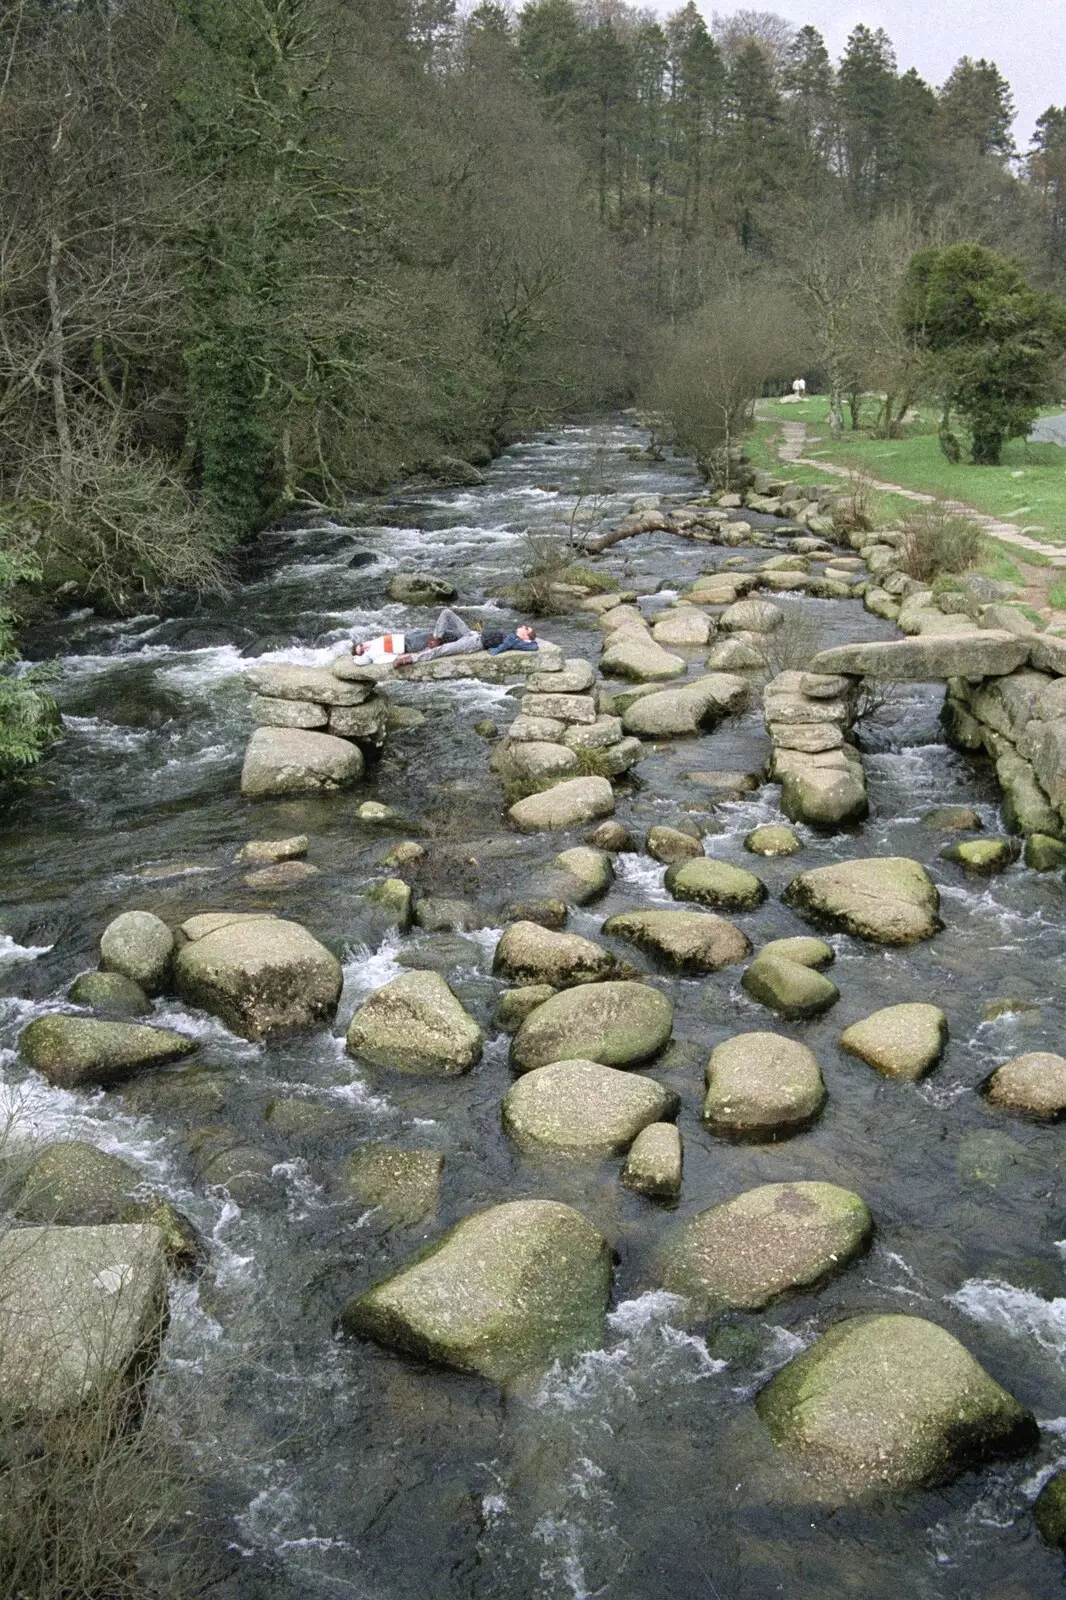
[(450, 636), (521, 638)]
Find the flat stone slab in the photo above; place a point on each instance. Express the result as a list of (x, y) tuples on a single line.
[(635, 655), (671, 712), (78, 1306), (504, 1292), (316, 684), (583, 1108), (762, 1086), (885, 899), (903, 1041), (781, 1237), (990, 653), (889, 1402), (565, 805)]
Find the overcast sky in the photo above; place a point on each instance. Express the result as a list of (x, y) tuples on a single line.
[(1025, 38)]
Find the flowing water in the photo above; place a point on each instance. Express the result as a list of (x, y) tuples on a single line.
[(331, 1468)]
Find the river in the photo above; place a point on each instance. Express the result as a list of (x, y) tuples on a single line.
[(330, 1468)]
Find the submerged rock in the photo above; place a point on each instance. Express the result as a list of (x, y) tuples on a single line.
[(583, 1108), (654, 1164), (952, 819), (744, 1254), (791, 988), (690, 941), (890, 1402), (1049, 1511), (415, 1024), (530, 954), (715, 883), (565, 805), (139, 946), (267, 852), (984, 856), (506, 1291), (885, 899), (405, 1184), (1034, 1085), (259, 974), (903, 1041), (773, 840), (762, 1086), (619, 1024), (80, 1308), (73, 1051)]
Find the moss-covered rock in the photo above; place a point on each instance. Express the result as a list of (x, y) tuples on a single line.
[(885, 899), (405, 1184), (111, 992), (583, 1108), (715, 883), (529, 954), (984, 856), (515, 1005), (670, 845), (591, 873), (804, 950), (139, 946), (890, 1402), (392, 899), (611, 836), (1033, 1085), (952, 819), (72, 1051), (788, 987), (1045, 854), (654, 1164), (762, 1086), (415, 1024), (73, 1184), (547, 913), (617, 1024), (773, 839), (688, 941), (1049, 1512), (505, 1292), (903, 1041), (261, 975), (565, 805), (780, 1237)]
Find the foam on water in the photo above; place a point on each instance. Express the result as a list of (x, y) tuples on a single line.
[(643, 875), (11, 950), (1015, 1311)]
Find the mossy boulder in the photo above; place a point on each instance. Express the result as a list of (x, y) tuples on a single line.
[(654, 1164), (884, 899), (952, 819), (415, 1024), (139, 946), (73, 1051), (788, 987), (762, 1086), (515, 1005), (770, 1241), (583, 1108), (1032, 1085), (259, 974), (111, 992), (688, 941), (586, 873), (1049, 1511), (404, 1184), (715, 883), (1044, 854), (983, 856), (564, 805), (619, 1024), (505, 1292), (73, 1184), (773, 839), (670, 845), (546, 913), (801, 948), (529, 954), (890, 1402), (903, 1041)]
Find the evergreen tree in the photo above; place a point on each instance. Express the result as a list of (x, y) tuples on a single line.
[(975, 110), (869, 108), (809, 85), (1047, 178)]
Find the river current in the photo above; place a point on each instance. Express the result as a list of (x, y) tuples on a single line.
[(331, 1468)]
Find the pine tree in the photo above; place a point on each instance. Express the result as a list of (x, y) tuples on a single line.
[(868, 114), (975, 110)]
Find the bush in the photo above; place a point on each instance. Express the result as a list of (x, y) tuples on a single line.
[(851, 512), (797, 641), (29, 718), (938, 540), (550, 562)]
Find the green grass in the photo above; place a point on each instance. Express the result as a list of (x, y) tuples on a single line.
[(1028, 489), (998, 564), (1056, 594)]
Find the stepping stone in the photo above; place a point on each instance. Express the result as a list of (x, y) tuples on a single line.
[(762, 1086), (903, 1041)]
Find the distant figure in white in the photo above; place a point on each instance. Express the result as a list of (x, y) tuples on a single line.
[(799, 388)]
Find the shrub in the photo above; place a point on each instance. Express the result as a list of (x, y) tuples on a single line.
[(550, 562), (851, 511), (29, 718), (938, 540), (796, 642)]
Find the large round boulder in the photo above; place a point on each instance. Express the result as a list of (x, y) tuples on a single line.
[(583, 1108), (529, 954), (505, 1292), (565, 805), (903, 1041), (72, 1051), (415, 1024), (290, 760), (715, 883), (1033, 1085), (690, 941), (617, 1024), (259, 974), (762, 1086), (139, 946), (743, 1254), (751, 616), (890, 1402), (885, 899), (826, 791), (670, 845), (73, 1184)]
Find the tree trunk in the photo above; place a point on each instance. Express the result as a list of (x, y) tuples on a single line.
[(56, 362)]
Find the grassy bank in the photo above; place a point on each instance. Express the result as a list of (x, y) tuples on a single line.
[(1028, 489)]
